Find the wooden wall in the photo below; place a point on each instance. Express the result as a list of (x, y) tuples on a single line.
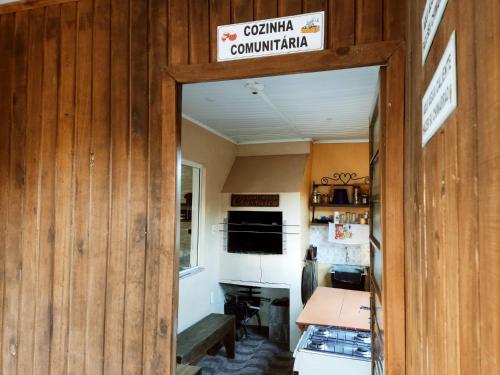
[(193, 30), (88, 149), (81, 178), (452, 200)]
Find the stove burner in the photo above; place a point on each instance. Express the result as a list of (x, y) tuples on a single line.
[(323, 332), (363, 337), (363, 352), (317, 344)]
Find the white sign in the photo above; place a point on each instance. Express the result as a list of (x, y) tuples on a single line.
[(433, 13), (440, 98), (275, 36)]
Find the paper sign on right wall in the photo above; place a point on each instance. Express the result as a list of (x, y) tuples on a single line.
[(440, 98)]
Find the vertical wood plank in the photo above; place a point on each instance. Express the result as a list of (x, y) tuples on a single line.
[(80, 247), (199, 31), (368, 21), (178, 32), (134, 292), (99, 189), (46, 232), (155, 353), (115, 282), (241, 11), (30, 211), (415, 302), (220, 14), (487, 41), (468, 342), (309, 6), (392, 212), (341, 23), (17, 150), (289, 7), (394, 17), (11, 260), (64, 189), (265, 9), (168, 262)]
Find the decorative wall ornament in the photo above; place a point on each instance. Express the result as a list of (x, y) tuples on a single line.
[(345, 178)]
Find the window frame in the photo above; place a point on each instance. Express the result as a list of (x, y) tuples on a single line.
[(195, 245)]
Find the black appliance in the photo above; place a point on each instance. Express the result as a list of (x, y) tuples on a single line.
[(309, 274), (255, 232), (348, 277)]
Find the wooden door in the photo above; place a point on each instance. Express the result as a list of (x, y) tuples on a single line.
[(386, 230)]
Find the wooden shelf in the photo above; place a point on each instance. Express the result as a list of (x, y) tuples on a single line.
[(330, 222), (341, 205)]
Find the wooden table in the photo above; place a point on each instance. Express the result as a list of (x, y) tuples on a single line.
[(337, 308)]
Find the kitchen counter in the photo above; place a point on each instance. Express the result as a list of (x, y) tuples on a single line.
[(337, 308)]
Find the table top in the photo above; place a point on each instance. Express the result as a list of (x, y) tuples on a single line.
[(337, 308)]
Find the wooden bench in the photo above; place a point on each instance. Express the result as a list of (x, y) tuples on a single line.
[(208, 333), (187, 370)]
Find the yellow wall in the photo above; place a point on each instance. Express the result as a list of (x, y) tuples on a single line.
[(339, 157), (328, 158)]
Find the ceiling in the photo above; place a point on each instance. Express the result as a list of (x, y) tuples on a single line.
[(322, 106)]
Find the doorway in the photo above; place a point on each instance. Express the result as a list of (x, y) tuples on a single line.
[(391, 104)]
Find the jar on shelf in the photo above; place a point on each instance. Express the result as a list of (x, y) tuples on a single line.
[(356, 194), (316, 197)]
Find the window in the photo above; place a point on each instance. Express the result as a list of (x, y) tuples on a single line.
[(189, 215)]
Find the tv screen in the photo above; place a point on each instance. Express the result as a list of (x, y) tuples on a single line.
[(255, 232)]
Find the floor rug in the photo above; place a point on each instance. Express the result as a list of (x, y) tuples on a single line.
[(255, 355)]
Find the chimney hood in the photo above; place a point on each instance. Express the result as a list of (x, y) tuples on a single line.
[(267, 174)]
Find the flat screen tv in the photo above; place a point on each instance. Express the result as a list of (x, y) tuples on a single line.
[(255, 232)]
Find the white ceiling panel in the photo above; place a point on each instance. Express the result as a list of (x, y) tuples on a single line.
[(332, 105)]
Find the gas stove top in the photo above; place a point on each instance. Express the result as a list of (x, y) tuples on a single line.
[(343, 342)]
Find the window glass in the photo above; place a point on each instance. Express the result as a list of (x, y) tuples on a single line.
[(189, 217)]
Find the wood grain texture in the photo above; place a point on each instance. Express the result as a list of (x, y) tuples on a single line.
[(394, 18), (168, 261), (487, 42), (46, 225), (199, 32), (64, 188), (265, 9), (88, 170), (341, 23), (99, 189), (391, 151), (30, 207), (153, 348), (356, 56), (241, 11), (368, 21), (10, 259), (75, 145), (178, 32), (25, 5), (220, 14), (289, 7), (451, 230)]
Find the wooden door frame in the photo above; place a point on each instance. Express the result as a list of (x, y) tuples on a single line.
[(391, 56)]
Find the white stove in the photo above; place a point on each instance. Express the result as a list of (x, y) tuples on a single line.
[(333, 351)]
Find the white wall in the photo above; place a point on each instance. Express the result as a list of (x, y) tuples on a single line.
[(272, 271), (217, 156)]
